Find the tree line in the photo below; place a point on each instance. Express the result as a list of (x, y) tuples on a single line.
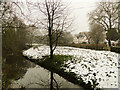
[(103, 22)]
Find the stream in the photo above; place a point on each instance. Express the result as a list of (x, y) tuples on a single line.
[(24, 74)]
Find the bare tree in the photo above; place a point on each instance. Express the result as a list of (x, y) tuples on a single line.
[(105, 14), (97, 33), (8, 12), (54, 20)]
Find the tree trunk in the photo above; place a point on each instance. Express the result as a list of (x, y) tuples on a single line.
[(51, 57), (51, 83), (51, 53), (109, 43)]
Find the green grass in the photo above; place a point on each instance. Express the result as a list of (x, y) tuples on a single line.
[(56, 62)]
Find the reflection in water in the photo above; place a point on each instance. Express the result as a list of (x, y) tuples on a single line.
[(14, 67), (19, 72), (39, 77)]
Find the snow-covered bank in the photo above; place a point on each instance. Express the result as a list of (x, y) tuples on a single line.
[(88, 64)]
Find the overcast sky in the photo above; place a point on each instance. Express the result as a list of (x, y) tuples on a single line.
[(79, 10)]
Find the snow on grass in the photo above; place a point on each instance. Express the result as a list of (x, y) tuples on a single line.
[(88, 64)]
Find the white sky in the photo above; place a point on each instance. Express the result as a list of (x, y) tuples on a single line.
[(80, 10)]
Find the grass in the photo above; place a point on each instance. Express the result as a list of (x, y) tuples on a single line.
[(56, 62)]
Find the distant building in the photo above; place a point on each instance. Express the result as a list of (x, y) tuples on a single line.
[(81, 38), (113, 43), (75, 40)]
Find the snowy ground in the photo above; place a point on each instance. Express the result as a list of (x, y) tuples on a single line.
[(88, 64)]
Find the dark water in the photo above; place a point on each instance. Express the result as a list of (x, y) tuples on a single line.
[(21, 73), (13, 68)]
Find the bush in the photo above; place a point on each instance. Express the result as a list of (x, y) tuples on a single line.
[(115, 49), (90, 46)]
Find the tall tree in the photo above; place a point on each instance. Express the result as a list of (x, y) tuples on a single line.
[(105, 14), (54, 20), (12, 26)]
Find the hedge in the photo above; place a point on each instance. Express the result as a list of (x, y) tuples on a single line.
[(90, 46), (115, 49)]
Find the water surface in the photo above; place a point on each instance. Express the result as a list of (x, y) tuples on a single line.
[(21, 73)]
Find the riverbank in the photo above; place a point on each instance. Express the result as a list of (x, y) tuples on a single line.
[(39, 78), (87, 66), (55, 66)]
